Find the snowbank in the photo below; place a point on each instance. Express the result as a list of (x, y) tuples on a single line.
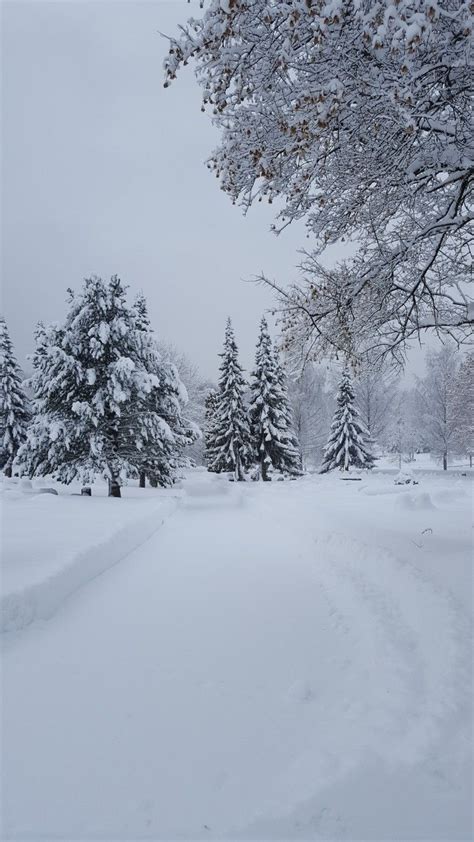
[(54, 544)]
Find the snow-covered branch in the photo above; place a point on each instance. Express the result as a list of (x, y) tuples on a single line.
[(359, 116)]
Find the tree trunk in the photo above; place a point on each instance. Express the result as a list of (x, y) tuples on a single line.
[(7, 470), (114, 488), (445, 461), (470, 460), (238, 473), (142, 480), (264, 470)]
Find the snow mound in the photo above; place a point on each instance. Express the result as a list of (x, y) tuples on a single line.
[(405, 477), (415, 502), (212, 491), (201, 488), (55, 544)]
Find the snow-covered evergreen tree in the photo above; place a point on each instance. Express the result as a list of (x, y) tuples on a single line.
[(291, 456), (196, 388), (349, 442), (211, 403), (14, 408), (272, 435), (142, 325), (96, 394), (230, 449), (161, 455)]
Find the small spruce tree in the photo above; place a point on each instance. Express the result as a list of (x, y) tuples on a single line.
[(14, 407), (230, 445), (270, 416), (349, 442)]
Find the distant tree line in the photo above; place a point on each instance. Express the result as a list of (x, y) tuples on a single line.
[(107, 399)]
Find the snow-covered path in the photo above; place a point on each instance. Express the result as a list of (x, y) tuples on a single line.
[(247, 673)]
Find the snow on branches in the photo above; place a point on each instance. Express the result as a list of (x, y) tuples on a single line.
[(359, 116)]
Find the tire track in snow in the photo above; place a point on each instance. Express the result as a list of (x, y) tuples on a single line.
[(406, 610), (400, 691)]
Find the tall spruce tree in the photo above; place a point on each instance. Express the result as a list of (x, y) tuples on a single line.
[(142, 325), (14, 405), (94, 388), (230, 446), (270, 417), (292, 455), (349, 442), (161, 455), (211, 403)]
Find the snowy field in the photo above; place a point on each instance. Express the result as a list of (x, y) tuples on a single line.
[(275, 661)]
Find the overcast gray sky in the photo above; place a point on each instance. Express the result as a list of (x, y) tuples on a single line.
[(103, 173)]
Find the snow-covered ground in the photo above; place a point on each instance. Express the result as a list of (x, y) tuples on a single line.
[(278, 661), (51, 545)]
